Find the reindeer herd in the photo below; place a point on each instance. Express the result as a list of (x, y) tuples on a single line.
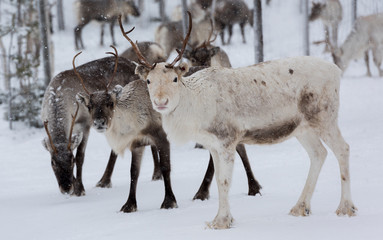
[(136, 99)]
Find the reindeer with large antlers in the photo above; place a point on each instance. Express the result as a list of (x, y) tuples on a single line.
[(58, 104), (203, 192), (265, 103), (207, 54), (126, 117)]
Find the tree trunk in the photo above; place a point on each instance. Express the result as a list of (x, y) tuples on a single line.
[(306, 29), (44, 31), (258, 31), (60, 15), (354, 11), (162, 10)]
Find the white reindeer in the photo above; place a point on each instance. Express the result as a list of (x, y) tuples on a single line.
[(330, 13), (367, 34), (261, 104)]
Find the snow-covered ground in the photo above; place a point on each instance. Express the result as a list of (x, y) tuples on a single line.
[(31, 206)]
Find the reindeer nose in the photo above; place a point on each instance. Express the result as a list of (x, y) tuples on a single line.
[(99, 122), (161, 102)]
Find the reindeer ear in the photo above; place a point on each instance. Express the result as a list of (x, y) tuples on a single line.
[(82, 99), (187, 54), (117, 90), (142, 72), (214, 51), (182, 69), (76, 140)]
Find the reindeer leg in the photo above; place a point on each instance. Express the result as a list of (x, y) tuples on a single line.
[(163, 147), (102, 34), (203, 191), (111, 26), (327, 39), (157, 175), (367, 61), (317, 153), (254, 186), (242, 26), (131, 203), (230, 27), (77, 34), (223, 162), (333, 138), (377, 53), (79, 189), (105, 181)]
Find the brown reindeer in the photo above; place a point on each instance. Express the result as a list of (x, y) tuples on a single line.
[(229, 12), (128, 120), (104, 11), (206, 54), (57, 107), (203, 192), (153, 52)]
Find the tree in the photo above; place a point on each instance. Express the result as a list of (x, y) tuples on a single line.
[(23, 89), (258, 31), (60, 15), (306, 28)]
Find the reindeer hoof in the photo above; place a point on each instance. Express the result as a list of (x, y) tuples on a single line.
[(104, 184), (129, 207), (346, 208), (169, 202), (78, 189), (157, 175), (201, 195), (220, 223), (254, 188), (301, 209)]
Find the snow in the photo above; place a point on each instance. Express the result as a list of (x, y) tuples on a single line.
[(32, 207)]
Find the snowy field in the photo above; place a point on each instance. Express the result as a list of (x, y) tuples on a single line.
[(31, 206)]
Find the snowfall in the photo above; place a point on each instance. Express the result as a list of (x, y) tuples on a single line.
[(32, 207)]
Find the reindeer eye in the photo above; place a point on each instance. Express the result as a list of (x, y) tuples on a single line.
[(175, 79), (148, 81)]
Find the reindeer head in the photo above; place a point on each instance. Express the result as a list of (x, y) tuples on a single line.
[(130, 8), (163, 79), (62, 158), (316, 11), (100, 104), (202, 54)]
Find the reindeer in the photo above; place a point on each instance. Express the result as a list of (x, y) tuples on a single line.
[(153, 52), (330, 13), (229, 12), (266, 103), (206, 54), (168, 35), (104, 12), (126, 117), (366, 35), (57, 107)]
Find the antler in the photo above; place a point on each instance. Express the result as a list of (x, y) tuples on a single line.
[(78, 75), (71, 127), (142, 60), (115, 65), (49, 136), (208, 42), (181, 52)]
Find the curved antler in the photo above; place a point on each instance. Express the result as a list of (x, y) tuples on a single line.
[(181, 52), (49, 136), (142, 60), (115, 65), (71, 127), (208, 42), (78, 75)]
